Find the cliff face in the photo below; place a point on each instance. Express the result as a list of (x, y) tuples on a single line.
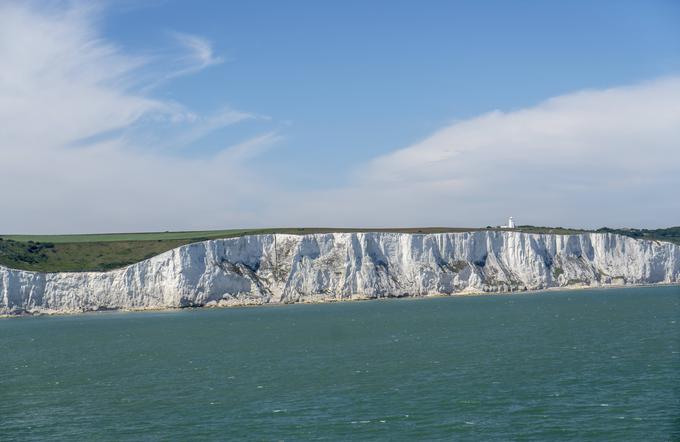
[(289, 268)]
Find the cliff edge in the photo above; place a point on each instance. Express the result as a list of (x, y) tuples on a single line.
[(279, 268)]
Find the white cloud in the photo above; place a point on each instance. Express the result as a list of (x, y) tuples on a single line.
[(73, 155), (59, 82), (200, 50), (589, 158), (196, 54)]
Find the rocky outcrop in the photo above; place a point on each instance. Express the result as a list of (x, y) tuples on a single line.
[(264, 269)]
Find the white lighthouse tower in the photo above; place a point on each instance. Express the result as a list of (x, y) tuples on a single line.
[(511, 224)]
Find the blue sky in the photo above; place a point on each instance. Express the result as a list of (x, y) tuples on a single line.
[(350, 80), (327, 89)]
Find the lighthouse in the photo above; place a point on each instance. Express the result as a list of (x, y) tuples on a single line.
[(511, 224)]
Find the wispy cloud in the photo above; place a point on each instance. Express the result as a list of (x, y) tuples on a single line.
[(190, 55), (251, 148), (72, 142), (196, 54), (199, 49), (188, 128)]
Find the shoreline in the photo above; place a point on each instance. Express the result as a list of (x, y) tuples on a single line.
[(464, 293)]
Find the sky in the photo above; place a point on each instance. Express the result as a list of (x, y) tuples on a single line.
[(174, 115)]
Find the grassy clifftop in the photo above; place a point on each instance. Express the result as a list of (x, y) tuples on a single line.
[(99, 252), (670, 234)]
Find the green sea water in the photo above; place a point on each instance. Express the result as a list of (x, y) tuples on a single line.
[(576, 365)]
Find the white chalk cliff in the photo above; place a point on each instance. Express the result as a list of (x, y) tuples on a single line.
[(264, 269)]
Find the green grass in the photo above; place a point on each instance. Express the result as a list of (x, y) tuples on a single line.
[(670, 234), (202, 235), (79, 256), (113, 237), (99, 252)]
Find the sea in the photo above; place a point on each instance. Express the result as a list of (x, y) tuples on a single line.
[(586, 365)]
